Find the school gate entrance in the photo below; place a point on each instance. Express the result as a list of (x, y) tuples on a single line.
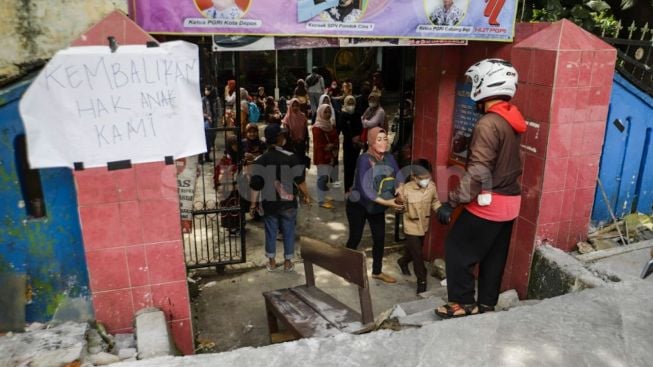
[(317, 25), (213, 212), (212, 236)]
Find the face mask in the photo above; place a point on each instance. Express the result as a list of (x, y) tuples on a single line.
[(423, 183), (349, 109), (373, 104)]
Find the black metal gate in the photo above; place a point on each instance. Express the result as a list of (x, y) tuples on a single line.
[(216, 234), (635, 53)]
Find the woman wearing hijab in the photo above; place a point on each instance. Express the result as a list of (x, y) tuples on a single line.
[(374, 116), (252, 145), (334, 89), (230, 94), (297, 124), (325, 99), (347, 11), (301, 95), (325, 151), (349, 123), (377, 181)]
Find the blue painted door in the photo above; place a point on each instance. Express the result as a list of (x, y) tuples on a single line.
[(626, 170)]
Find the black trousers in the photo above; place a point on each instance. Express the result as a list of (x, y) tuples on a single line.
[(471, 241), (356, 216), (413, 252), (350, 155)]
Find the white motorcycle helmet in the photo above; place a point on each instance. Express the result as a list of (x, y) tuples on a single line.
[(492, 78)]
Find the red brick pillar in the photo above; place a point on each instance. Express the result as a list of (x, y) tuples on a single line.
[(564, 92), (565, 81), (437, 71), (131, 228)]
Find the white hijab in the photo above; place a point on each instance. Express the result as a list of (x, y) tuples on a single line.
[(333, 112)]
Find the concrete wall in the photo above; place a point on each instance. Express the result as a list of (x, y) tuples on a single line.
[(35, 29), (48, 250)]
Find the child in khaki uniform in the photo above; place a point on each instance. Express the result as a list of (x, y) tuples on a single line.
[(420, 197)]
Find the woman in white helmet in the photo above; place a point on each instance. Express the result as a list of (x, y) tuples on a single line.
[(490, 191)]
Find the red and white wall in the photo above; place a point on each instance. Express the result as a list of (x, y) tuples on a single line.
[(131, 228)]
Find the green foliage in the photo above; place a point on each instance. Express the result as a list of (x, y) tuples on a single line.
[(604, 21), (593, 15)]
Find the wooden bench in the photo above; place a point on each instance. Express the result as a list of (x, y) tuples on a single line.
[(307, 311)]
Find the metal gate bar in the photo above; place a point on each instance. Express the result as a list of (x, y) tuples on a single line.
[(211, 242)]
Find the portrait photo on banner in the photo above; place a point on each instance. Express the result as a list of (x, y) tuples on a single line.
[(446, 12), (339, 11), (223, 9)]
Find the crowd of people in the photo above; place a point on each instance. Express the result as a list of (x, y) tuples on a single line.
[(316, 115), (314, 124), (275, 172)]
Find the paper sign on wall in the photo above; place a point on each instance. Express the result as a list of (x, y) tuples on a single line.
[(92, 106)]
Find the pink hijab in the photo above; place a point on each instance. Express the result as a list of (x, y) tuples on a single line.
[(296, 122), (371, 140)]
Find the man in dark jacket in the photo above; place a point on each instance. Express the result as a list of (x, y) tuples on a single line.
[(490, 191), (350, 124), (278, 176)]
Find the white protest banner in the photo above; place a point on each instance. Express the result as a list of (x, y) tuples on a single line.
[(92, 106)]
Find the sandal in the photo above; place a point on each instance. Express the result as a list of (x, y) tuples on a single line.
[(454, 310), (485, 308), (327, 205), (384, 277)]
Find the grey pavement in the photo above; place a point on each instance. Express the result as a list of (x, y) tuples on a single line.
[(605, 326), (626, 264)]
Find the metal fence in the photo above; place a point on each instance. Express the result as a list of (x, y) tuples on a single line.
[(634, 47)]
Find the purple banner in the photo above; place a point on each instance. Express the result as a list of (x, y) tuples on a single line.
[(418, 19)]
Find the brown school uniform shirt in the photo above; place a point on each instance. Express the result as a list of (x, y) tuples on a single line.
[(419, 203)]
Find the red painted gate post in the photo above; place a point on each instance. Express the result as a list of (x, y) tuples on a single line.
[(131, 227), (564, 91)]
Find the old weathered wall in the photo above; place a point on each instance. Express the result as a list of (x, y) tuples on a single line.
[(48, 251), (34, 30)]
